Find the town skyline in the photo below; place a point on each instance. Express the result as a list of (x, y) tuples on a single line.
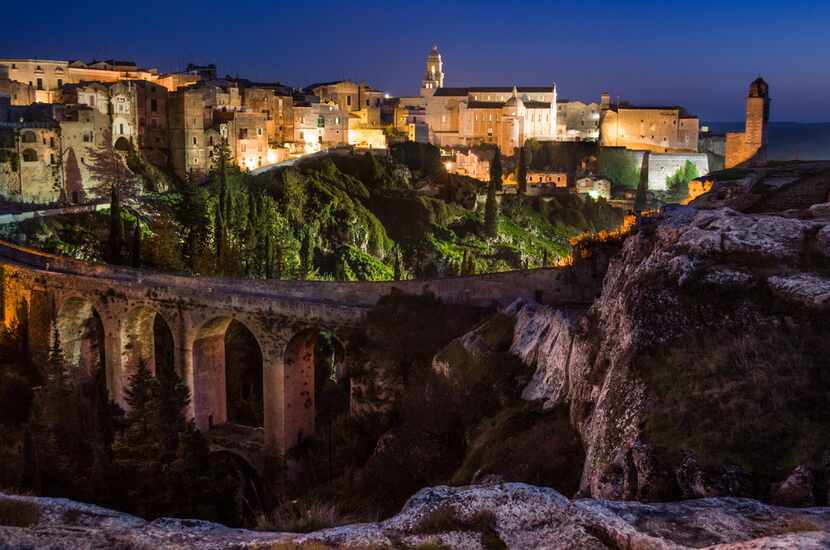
[(387, 54)]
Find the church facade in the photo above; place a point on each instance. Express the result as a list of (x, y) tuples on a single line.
[(497, 115)]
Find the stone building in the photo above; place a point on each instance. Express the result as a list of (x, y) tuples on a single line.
[(45, 78), (497, 115), (277, 106), (648, 128), (750, 146), (92, 94), (473, 162), (318, 126), (83, 130), (186, 122), (30, 161), (501, 116), (151, 113), (577, 121), (595, 187), (246, 136)]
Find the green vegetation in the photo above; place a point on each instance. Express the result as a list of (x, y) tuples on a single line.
[(80, 445), (358, 217), (619, 166), (678, 183), (760, 404)]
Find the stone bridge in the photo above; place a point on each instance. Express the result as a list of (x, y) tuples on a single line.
[(284, 317)]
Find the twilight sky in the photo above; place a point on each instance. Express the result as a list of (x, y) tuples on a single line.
[(701, 54)]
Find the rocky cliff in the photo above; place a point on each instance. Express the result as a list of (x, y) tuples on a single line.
[(512, 515), (702, 368)]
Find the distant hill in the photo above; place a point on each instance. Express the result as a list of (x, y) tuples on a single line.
[(788, 140)]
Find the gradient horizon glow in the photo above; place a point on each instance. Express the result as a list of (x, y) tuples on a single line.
[(701, 55)]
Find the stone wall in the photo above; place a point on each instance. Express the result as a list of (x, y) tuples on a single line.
[(664, 165)]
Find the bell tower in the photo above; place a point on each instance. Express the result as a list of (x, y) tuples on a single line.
[(750, 146), (434, 76)]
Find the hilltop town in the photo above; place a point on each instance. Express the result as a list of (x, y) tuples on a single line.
[(58, 117)]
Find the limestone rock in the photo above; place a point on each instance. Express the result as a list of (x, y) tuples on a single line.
[(514, 515), (803, 289), (796, 490), (702, 320)]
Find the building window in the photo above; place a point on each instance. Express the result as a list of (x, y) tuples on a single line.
[(121, 129), (60, 83), (29, 137), (194, 141), (349, 100), (29, 155), (153, 105), (39, 83), (259, 131)]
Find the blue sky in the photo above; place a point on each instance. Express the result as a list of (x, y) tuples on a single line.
[(699, 54)]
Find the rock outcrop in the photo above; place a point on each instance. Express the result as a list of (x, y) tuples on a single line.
[(701, 370), (510, 515)]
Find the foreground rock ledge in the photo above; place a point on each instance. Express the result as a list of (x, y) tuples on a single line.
[(514, 515)]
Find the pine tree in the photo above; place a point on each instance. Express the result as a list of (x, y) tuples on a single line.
[(140, 389), (521, 172), (56, 374), (491, 207), (116, 232)]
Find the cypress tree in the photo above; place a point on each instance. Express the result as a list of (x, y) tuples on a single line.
[(521, 172), (491, 207), (116, 236), (135, 258)]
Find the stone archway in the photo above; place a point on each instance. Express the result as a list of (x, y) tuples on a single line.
[(145, 336), (243, 376), (313, 362), (81, 335), (122, 144), (213, 360)]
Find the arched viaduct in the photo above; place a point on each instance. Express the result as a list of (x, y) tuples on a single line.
[(282, 316)]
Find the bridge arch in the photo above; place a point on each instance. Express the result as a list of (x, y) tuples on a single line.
[(227, 379), (315, 382), (82, 337), (144, 335)]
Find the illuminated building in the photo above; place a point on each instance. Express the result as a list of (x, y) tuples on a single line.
[(750, 146), (648, 128)]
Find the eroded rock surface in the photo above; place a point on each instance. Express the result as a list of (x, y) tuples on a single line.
[(701, 370), (511, 515)]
